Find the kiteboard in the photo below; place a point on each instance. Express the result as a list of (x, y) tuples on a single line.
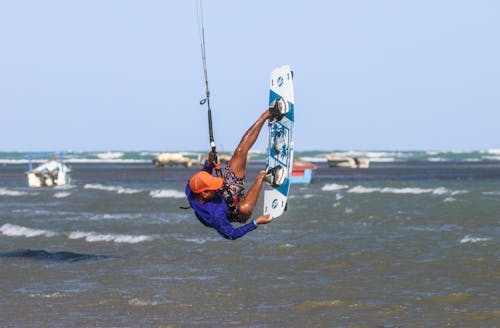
[(280, 142)]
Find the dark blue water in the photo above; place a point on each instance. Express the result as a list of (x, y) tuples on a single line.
[(401, 244)]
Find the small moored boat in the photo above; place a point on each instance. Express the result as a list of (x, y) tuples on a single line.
[(50, 173), (347, 162), (302, 171), (172, 159)]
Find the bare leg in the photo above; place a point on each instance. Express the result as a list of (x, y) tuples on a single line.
[(238, 162), (247, 204)]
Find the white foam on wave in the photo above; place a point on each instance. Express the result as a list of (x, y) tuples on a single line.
[(373, 156), (491, 193), (148, 153), (315, 159), (437, 159), (52, 295), (98, 160), (117, 189), (391, 190), (473, 239), (491, 158), (14, 193), (166, 193), (363, 190), (143, 302), (199, 241), (414, 191), (117, 238), (115, 216), (110, 155), (20, 231), (334, 187), (62, 194), (287, 245)]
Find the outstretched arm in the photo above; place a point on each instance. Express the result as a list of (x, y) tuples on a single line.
[(226, 229)]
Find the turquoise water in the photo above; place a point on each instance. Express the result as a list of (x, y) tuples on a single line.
[(315, 156), (401, 244)]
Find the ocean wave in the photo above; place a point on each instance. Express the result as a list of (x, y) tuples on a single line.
[(491, 193), (117, 189), (62, 194), (437, 159), (143, 302), (491, 158), (14, 193), (315, 159), (414, 191), (110, 161), (117, 238), (167, 193), (199, 241), (110, 155), (52, 295), (334, 187), (392, 190), (375, 156), (115, 216), (312, 156), (148, 153), (20, 231), (473, 239)]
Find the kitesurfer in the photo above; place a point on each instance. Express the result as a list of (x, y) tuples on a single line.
[(218, 201)]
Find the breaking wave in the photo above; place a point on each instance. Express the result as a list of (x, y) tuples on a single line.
[(473, 239), (414, 191), (492, 193), (110, 155), (8, 192), (117, 189), (391, 190), (20, 231), (117, 238), (334, 187), (62, 194), (143, 302), (116, 216), (166, 193)]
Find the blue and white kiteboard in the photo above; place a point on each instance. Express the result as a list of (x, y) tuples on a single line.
[(280, 143)]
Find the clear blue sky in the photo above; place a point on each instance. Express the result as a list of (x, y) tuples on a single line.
[(369, 75)]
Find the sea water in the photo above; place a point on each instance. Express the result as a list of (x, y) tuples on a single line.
[(401, 244)]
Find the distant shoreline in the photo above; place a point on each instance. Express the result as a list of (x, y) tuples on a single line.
[(316, 156)]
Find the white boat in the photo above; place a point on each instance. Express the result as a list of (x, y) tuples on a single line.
[(48, 174), (172, 159), (347, 162)]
